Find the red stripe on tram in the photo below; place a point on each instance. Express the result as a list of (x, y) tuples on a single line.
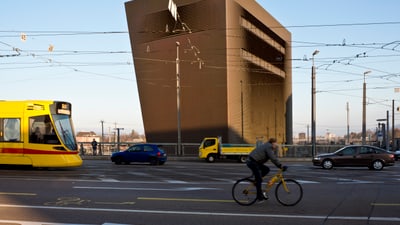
[(36, 151)]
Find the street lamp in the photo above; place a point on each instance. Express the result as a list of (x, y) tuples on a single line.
[(178, 98), (364, 115), (241, 108), (313, 91)]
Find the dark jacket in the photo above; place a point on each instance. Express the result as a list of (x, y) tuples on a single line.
[(263, 153)]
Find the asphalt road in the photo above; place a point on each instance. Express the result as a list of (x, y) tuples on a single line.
[(192, 192)]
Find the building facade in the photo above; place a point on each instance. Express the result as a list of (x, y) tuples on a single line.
[(234, 70)]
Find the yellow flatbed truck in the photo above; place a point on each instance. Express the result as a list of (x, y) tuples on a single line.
[(211, 148)]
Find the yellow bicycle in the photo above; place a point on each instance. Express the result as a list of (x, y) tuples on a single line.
[(288, 192)]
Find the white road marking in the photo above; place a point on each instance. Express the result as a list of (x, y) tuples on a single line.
[(175, 181), (353, 181), (262, 215), (21, 222), (35, 223), (360, 182), (307, 182), (148, 189), (139, 174), (114, 224), (109, 180)]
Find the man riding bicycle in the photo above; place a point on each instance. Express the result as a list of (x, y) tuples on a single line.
[(256, 160)]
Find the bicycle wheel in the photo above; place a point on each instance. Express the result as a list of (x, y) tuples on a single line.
[(244, 191), (292, 195)]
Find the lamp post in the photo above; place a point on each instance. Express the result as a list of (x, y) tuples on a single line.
[(364, 114), (178, 98), (241, 108), (313, 91)]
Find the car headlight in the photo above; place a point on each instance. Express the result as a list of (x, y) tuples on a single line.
[(317, 158)]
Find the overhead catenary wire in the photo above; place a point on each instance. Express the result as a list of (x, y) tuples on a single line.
[(390, 46)]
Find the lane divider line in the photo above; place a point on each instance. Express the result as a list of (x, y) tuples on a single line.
[(18, 193), (385, 204), (184, 199), (164, 212)]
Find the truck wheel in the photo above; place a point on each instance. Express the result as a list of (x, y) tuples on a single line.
[(211, 158), (242, 158)]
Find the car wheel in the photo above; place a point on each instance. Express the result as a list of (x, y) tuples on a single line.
[(154, 161), (377, 165), (117, 160), (327, 164), (211, 158)]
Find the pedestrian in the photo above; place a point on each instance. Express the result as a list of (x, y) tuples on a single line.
[(82, 149), (94, 146), (260, 155)]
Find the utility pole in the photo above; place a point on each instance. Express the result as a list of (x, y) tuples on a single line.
[(364, 129), (387, 130), (241, 108), (313, 110), (102, 137), (173, 9), (394, 147), (118, 140), (348, 122), (178, 99)]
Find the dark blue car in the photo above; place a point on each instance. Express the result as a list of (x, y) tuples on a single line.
[(142, 153)]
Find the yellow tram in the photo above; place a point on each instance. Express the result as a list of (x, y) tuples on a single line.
[(39, 133)]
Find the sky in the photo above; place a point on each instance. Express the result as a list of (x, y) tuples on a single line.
[(90, 63)]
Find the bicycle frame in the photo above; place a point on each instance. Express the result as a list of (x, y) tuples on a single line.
[(276, 179)]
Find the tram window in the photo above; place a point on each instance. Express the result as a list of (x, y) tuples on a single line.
[(41, 130), (12, 129)]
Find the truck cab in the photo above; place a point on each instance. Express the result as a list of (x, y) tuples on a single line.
[(209, 149)]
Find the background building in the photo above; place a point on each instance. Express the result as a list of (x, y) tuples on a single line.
[(235, 70)]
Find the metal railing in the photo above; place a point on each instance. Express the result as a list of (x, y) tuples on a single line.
[(192, 149)]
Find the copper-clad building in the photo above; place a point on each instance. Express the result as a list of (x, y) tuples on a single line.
[(235, 70)]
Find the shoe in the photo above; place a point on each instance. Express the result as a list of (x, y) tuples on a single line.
[(265, 195), (260, 201)]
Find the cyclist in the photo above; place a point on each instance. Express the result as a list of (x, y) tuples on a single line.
[(256, 160)]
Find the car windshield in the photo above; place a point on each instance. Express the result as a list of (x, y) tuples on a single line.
[(65, 130)]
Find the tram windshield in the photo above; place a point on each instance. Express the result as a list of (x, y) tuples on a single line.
[(65, 131)]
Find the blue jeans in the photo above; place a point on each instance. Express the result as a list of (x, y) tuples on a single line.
[(259, 171)]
